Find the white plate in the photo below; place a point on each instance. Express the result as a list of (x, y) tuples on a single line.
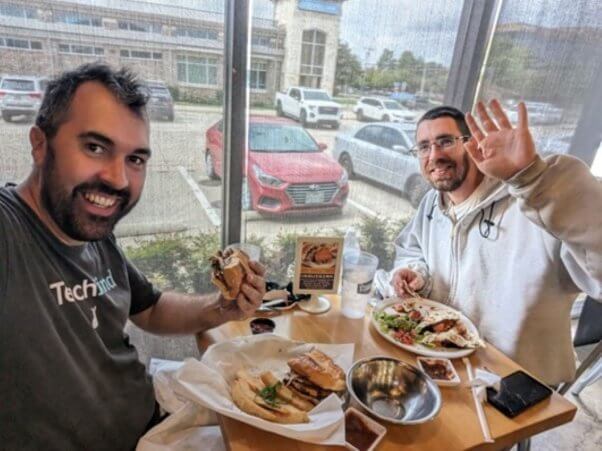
[(444, 353)]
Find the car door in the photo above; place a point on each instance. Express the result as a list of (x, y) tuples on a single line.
[(397, 158), (363, 148), (373, 112), (215, 145), (295, 103)]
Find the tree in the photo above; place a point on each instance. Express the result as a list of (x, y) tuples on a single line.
[(387, 60), (348, 70)]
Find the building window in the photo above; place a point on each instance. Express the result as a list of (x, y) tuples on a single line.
[(140, 54), (81, 49), (259, 71), (263, 41), (75, 18), (198, 33), (312, 58), (145, 27), (14, 10), (197, 70), (16, 43)]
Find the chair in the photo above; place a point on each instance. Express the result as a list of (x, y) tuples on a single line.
[(589, 331)]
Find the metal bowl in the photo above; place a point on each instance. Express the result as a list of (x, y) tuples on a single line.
[(394, 391)]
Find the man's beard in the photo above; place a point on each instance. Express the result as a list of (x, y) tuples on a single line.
[(63, 208), (454, 182)]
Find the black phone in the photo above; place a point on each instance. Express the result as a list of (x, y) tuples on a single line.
[(518, 391)]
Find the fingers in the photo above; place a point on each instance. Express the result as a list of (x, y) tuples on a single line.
[(249, 299), (488, 124), (475, 131), (257, 267), (474, 150), (523, 121), (499, 114), (417, 283), (255, 280)]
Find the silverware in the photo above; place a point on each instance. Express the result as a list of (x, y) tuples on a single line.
[(393, 390), (478, 404)]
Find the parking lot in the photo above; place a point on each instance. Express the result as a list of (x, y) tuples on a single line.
[(178, 195)]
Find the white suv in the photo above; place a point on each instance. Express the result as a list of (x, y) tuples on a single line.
[(384, 110), (21, 96)]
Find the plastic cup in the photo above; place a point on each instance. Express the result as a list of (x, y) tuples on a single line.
[(252, 250), (358, 275)]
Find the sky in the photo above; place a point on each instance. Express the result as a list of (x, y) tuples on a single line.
[(425, 27)]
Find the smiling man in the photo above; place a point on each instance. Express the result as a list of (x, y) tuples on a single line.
[(506, 237), (69, 379)]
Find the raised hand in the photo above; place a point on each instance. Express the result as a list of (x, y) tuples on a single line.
[(497, 149)]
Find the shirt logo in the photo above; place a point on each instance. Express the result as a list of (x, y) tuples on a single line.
[(84, 290)]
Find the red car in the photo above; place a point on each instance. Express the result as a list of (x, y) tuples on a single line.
[(286, 170)]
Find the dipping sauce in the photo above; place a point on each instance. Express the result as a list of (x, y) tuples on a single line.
[(262, 326), (437, 369), (357, 433)]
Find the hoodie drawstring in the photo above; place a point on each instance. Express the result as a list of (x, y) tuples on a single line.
[(485, 224)]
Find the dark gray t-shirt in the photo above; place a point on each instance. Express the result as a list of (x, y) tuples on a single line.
[(69, 379)]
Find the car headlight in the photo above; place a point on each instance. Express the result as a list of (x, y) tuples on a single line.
[(344, 179), (266, 179)]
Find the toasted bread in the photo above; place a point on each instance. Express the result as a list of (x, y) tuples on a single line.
[(229, 270), (319, 369)]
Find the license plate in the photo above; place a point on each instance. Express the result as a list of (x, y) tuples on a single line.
[(314, 198)]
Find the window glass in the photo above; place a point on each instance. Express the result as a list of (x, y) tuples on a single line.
[(18, 85)]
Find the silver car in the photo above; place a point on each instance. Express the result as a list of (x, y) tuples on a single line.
[(381, 152), (21, 96)]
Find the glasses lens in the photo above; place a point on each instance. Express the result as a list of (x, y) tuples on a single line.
[(446, 141)]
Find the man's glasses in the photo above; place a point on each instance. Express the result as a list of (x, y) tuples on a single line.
[(423, 149)]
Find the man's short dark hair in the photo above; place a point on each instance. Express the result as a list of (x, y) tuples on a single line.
[(447, 111), (123, 83)]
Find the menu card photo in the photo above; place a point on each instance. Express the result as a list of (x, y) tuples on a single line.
[(317, 265)]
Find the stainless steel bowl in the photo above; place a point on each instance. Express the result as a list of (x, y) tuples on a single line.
[(394, 391)]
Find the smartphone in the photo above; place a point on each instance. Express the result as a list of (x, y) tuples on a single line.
[(518, 391)]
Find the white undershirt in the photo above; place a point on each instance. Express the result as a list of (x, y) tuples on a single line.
[(457, 212)]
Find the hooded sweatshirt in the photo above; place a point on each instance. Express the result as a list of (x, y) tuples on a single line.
[(516, 261)]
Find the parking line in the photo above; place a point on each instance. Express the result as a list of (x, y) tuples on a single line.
[(196, 190), (361, 208)]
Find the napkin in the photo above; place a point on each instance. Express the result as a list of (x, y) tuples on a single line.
[(482, 380)]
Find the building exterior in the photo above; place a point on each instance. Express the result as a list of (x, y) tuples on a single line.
[(181, 46)]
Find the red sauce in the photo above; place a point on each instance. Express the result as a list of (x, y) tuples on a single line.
[(357, 433)]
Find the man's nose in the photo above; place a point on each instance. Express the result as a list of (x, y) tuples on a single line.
[(114, 174), (436, 153)]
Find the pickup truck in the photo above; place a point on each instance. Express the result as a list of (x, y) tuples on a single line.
[(309, 106)]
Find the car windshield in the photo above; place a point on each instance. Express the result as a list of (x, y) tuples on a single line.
[(316, 95), (393, 106), (159, 90), (275, 138), (18, 85)]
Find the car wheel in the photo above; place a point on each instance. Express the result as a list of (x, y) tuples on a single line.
[(345, 161), (415, 190), (360, 115), (279, 111), (7, 117), (386, 118), (210, 166), (303, 118)]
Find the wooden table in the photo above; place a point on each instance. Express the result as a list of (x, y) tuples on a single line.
[(455, 427)]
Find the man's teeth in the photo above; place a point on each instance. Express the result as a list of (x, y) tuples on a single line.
[(100, 201)]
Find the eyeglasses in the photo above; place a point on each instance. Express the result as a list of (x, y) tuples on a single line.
[(423, 149)]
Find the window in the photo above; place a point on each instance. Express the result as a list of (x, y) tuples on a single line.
[(14, 10), (258, 75), (140, 54), (145, 27), (76, 18), (197, 70), (198, 33), (17, 43), (312, 58), (264, 41), (81, 49)]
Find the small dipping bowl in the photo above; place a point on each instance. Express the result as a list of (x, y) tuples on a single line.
[(393, 390), (262, 326)]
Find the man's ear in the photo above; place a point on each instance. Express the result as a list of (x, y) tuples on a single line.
[(39, 145)]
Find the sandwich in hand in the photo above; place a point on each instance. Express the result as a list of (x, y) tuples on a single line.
[(229, 270), (268, 398), (314, 376)]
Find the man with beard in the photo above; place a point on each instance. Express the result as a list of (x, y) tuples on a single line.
[(505, 237), (69, 379)]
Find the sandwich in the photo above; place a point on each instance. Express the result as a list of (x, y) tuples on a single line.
[(314, 376), (229, 270), (268, 398)]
